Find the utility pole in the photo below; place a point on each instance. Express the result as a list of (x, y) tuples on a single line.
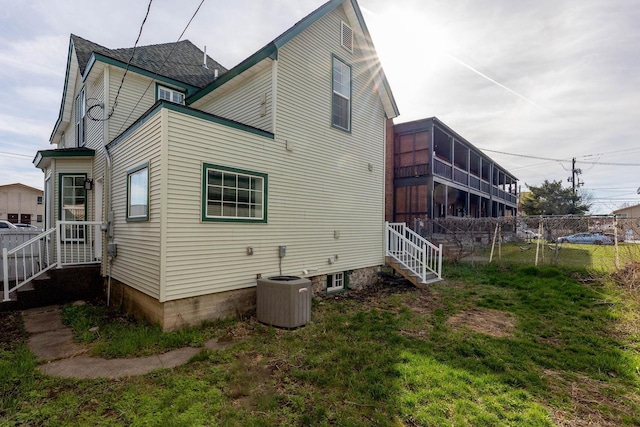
[(574, 179)]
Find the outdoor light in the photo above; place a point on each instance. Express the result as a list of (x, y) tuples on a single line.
[(88, 184)]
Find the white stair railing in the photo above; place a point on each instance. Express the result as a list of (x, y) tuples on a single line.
[(69, 243), (27, 261), (76, 242), (417, 254)]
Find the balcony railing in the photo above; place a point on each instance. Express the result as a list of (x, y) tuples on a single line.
[(460, 176), (442, 169), (411, 171)]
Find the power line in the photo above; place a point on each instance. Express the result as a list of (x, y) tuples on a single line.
[(133, 51), (126, 70), (559, 160), (525, 155), (16, 155), (161, 65)]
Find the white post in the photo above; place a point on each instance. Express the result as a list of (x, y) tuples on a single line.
[(5, 272), (59, 245), (424, 262), (440, 262), (386, 238)]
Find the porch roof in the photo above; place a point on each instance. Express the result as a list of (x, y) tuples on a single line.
[(43, 157)]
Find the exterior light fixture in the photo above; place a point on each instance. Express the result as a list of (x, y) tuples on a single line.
[(88, 184)]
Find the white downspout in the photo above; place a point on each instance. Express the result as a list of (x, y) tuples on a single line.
[(108, 180)]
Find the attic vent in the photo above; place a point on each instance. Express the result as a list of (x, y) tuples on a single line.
[(346, 37)]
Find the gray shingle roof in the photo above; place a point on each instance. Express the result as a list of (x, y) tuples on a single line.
[(184, 63)]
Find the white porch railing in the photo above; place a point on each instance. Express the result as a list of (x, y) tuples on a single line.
[(69, 243), (421, 257)]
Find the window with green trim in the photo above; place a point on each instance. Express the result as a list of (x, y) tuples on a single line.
[(341, 107), (73, 205), (171, 95), (337, 282), (138, 193), (234, 195)]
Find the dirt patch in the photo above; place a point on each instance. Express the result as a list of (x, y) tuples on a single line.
[(12, 329), (491, 322)]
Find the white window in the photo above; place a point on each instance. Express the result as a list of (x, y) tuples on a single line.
[(233, 195), (73, 204), (39, 200), (336, 282), (138, 193), (80, 121), (170, 95), (341, 107)]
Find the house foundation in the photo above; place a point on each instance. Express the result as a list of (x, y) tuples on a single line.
[(177, 314)]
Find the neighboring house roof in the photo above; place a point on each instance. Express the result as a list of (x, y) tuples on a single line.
[(181, 61), (18, 184), (628, 210), (271, 50)]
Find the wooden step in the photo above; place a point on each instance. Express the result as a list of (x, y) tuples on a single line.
[(407, 274)]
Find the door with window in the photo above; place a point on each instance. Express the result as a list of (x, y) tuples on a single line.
[(73, 205)]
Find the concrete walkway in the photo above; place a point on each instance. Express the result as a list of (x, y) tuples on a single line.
[(53, 343)]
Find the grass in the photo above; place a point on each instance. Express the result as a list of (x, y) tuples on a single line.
[(567, 351), (593, 257), (113, 334)]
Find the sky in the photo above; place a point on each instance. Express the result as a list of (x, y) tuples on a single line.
[(531, 83)]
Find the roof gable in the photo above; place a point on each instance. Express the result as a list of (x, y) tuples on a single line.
[(271, 50), (179, 62)]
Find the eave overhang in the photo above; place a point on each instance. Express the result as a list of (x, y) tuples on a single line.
[(43, 157)]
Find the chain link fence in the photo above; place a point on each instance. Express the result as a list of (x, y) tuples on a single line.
[(605, 243)]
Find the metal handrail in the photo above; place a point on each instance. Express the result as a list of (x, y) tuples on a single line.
[(38, 264), (74, 243), (413, 251)]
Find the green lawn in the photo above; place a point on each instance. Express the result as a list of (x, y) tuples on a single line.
[(492, 345), (594, 257)]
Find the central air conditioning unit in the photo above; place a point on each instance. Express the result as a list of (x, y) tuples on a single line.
[(284, 301)]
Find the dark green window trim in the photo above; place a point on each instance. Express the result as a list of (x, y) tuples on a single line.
[(265, 194), (130, 173), (345, 282), (61, 177), (335, 58), (159, 85)]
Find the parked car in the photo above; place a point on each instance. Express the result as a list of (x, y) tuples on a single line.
[(586, 238), (6, 225), (528, 234), (613, 237), (27, 227)]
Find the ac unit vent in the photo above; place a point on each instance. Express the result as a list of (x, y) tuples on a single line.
[(347, 37)]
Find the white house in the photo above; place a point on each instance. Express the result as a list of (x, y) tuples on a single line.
[(200, 174)]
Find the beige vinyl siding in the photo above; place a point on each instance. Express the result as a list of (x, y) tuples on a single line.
[(95, 128), (354, 196), (244, 104), (132, 93), (323, 186), (138, 260)]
